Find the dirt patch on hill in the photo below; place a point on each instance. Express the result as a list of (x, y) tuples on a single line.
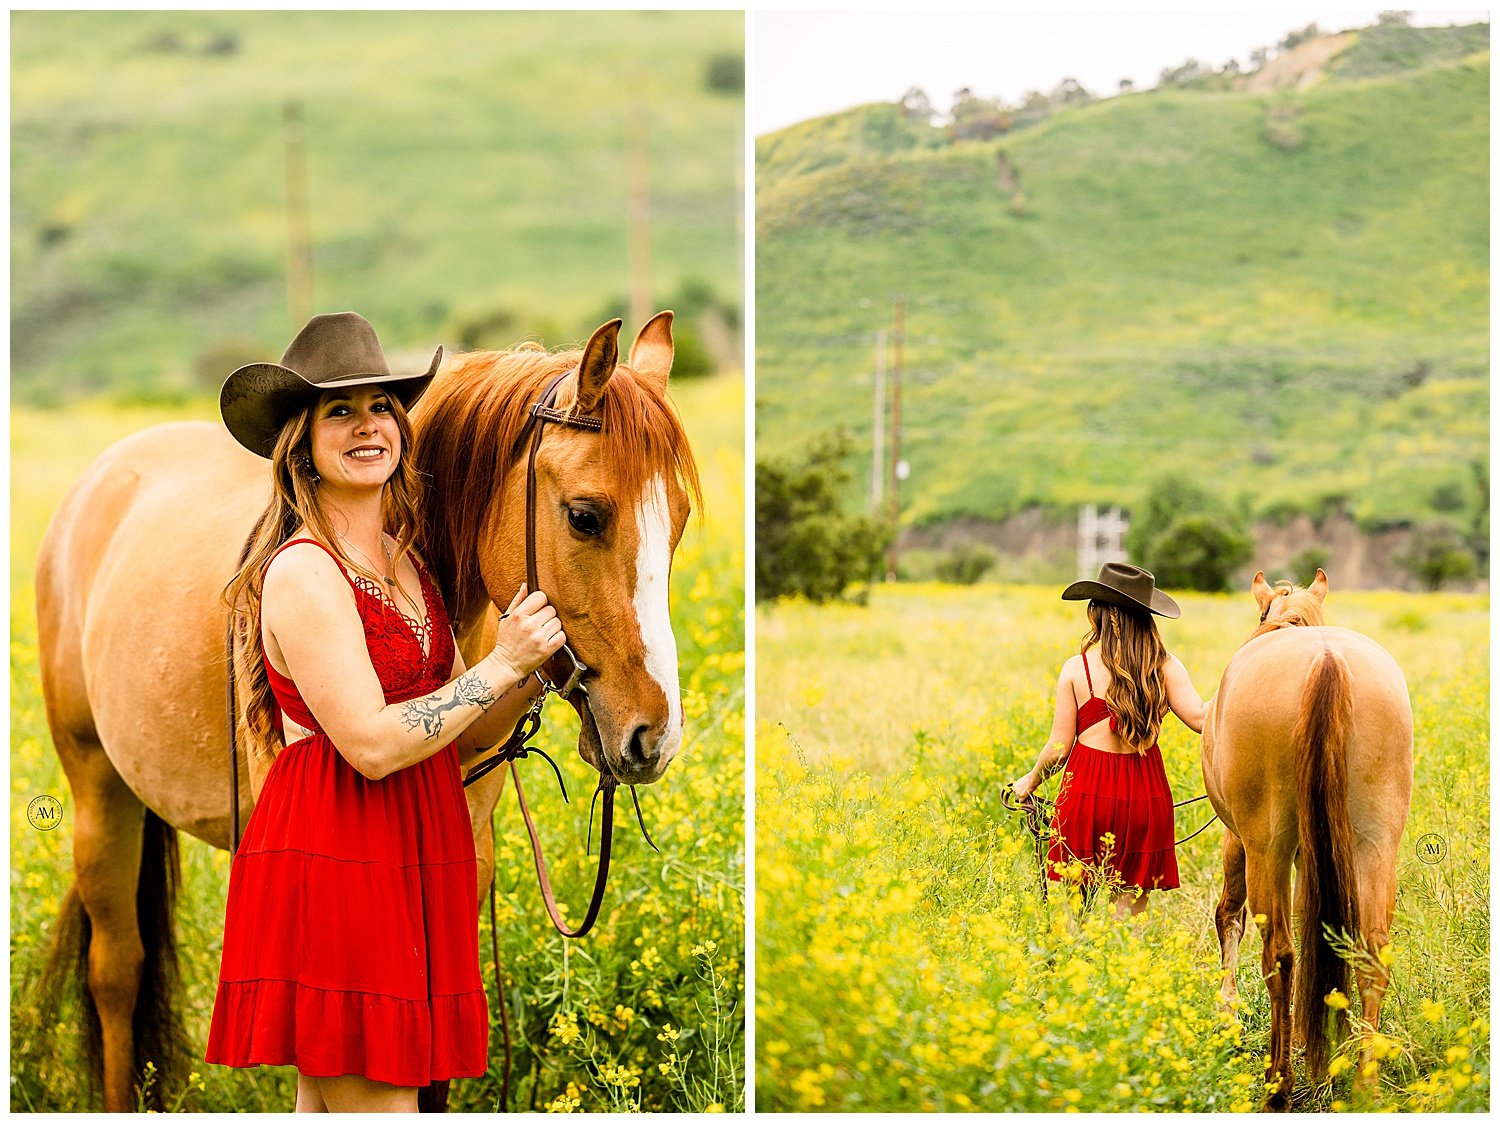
[(1300, 67)]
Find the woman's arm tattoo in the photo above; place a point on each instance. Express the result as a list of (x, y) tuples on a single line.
[(427, 713)]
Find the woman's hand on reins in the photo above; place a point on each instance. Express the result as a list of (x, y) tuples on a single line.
[(1025, 786), (528, 633)]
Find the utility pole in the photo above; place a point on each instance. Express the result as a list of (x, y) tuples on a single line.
[(638, 222), (877, 473), (897, 340), (298, 239)]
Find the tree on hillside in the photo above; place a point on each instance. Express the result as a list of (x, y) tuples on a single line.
[(804, 543), (1070, 91), (1035, 107), (1479, 526), (1297, 38), (1198, 552), (916, 105), (1438, 554), (1182, 75), (1394, 19), (1187, 536), (978, 118)]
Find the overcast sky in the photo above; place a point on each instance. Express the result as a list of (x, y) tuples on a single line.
[(808, 64)]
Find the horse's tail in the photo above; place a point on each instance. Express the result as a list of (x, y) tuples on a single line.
[(63, 984), (157, 1028), (1325, 866)]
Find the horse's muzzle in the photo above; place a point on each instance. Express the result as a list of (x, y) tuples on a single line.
[(638, 754)]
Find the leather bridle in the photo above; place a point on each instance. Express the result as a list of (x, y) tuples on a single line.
[(516, 747)]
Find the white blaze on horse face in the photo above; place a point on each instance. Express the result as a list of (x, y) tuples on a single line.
[(653, 563)]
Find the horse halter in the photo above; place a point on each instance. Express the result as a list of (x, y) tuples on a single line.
[(515, 747), (541, 413)]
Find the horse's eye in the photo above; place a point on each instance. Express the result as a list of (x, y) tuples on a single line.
[(585, 522)]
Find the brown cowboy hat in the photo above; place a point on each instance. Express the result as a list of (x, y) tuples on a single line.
[(335, 351), (1128, 586)]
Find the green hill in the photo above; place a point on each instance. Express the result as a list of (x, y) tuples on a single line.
[(1284, 294), (467, 177)]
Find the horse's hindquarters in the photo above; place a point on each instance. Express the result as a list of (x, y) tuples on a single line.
[(1250, 753), (129, 608)]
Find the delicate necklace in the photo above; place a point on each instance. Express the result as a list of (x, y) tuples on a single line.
[(390, 575)]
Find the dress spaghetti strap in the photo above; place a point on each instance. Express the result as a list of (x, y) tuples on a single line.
[(1087, 677), (319, 545)]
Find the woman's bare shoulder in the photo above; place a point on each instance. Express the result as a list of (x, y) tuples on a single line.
[(1072, 669), (303, 569)]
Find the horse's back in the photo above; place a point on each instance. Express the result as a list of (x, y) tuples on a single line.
[(1250, 747), (1256, 680), (129, 616)]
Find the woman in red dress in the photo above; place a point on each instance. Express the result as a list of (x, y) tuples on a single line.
[(1114, 807), (351, 928)]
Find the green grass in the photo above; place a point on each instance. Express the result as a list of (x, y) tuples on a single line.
[(591, 1018), (1378, 51), (459, 163), (905, 961), (1168, 290)]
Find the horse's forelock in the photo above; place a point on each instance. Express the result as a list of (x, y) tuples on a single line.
[(470, 425)]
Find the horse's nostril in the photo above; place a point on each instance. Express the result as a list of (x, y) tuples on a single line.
[(636, 753)]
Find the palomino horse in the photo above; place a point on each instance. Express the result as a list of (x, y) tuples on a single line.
[(132, 630), (1307, 757)]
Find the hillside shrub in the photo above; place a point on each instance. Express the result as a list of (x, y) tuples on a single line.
[(1199, 552), (1479, 525), (690, 357), (1188, 537), (1306, 563), (804, 543), (965, 565), (726, 73), (1438, 554), (1281, 126)]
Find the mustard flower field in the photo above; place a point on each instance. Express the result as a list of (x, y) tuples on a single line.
[(645, 1013), (905, 958)]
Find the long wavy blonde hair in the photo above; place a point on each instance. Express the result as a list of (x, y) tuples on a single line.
[(1136, 658), (294, 502)]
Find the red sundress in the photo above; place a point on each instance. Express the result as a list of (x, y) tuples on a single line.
[(1124, 794), (351, 937)]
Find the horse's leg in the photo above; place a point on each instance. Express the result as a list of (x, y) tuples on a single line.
[(1376, 865), (1268, 891), (1229, 921), (108, 821)]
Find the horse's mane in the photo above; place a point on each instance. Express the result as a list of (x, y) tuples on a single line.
[(1303, 610), (469, 428)]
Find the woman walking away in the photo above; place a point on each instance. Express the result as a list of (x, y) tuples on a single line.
[(350, 933), (1114, 808)]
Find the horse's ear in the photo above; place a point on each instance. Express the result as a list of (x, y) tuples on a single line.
[(651, 353), (1261, 589), (600, 356), (1319, 587)]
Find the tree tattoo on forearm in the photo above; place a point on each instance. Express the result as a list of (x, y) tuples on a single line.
[(427, 713)]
